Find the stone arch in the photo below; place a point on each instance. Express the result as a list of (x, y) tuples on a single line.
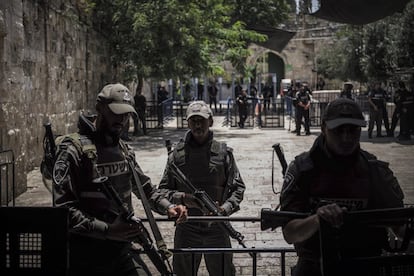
[(270, 63)]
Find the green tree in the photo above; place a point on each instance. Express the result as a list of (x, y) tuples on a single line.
[(176, 38), (373, 51), (402, 44)]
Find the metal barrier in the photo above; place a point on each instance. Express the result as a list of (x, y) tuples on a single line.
[(254, 251), (158, 114), (7, 180), (271, 115), (257, 255)]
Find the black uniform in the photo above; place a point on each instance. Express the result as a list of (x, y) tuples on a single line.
[(379, 98), (407, 115), (162, 95), (210, 167), (242, 104), (302, 96), (82, 158), (140, 107), (357, 182), (212, 92)]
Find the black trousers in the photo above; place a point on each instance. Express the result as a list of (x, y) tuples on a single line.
[(200, 235), (302, 113)]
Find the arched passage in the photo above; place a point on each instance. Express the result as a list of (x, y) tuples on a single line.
[(268, 64), (276, 66)]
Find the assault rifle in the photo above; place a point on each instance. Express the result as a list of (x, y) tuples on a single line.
[(158, 257), (144, 239), (49, 151), (208, 203), (376, 217), (49, 158), (272, 219)]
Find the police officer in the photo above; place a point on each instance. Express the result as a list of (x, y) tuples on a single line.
[(303, 99), (407, 115), (140, 108), (211, 167), (333, 176), (347, 91), (377, 99), (243, 106), (100, 236)]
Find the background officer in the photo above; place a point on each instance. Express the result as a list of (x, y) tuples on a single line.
[(303, 99), (377, 99)]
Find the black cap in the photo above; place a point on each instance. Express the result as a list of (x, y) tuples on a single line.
[(343, 111)]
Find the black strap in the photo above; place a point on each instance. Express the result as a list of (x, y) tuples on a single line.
[(162, 247)]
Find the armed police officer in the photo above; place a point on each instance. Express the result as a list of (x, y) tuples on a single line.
[(336, 175), (303, 102), (404, 102), (210, 166), (100, 236), (377, 99)]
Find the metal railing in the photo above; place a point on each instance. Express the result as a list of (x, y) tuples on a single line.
[(252, 251), (256, 253)]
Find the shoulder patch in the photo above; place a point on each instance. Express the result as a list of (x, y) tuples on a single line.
[(288, 181), (60, 170)]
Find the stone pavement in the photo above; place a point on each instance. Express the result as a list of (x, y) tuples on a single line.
[(253, 153)]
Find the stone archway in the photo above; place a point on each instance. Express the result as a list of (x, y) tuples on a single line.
[(268, 63)]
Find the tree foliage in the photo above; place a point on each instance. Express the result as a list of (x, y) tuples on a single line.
[(373, 51), (178, 38)]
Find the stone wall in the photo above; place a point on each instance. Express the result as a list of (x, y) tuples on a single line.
[(52, 66)]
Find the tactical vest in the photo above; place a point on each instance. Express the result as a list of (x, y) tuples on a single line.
[(367, 240), (380, 193), (90, 191), (206, 169)]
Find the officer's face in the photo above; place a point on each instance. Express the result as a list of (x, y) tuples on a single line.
[(199, 127), (113, 123), (343, 140)]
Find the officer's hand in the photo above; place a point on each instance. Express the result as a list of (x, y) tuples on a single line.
[(122, 230), (332, 213), (178, 211)]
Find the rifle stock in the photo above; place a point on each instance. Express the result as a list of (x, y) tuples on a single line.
[(281, 157)]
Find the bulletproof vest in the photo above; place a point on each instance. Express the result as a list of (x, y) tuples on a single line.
[(98, 161), (333, 186), (349, 189), (204, 167), (303, 97), (378, 97)]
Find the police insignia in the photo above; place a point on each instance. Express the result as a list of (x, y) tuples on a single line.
[(288, 181), (60, 170)]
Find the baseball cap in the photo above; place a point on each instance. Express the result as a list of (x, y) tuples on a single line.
[(118, 98), (343, 111), (199, 108)]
